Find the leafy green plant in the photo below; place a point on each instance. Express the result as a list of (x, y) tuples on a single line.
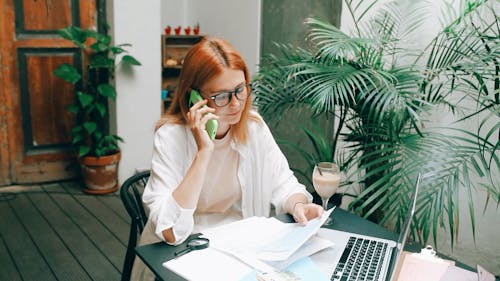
[(385, 94), (94, 88), (323, 148)]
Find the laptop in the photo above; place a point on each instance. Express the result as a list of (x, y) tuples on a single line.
[(361, 257)]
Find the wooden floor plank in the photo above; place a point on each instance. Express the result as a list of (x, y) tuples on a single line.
[(9, 269), (54, 188), (102, 236), (58, 232), (94, 262), (26, 256), (115, 203), (107, 217), (54, 251), (72, 187)]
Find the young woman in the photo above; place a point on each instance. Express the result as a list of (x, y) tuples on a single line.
[(197, 182)]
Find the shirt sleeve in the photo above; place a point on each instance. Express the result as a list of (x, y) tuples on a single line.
[(280, 175), (167, 171)]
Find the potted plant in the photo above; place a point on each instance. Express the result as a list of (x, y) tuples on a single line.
[(380, 93), (177, 30), (97, 149), (319, 147), (196, 29)]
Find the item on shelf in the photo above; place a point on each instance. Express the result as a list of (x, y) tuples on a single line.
[(171, 62), (187, 30), (164, 94), (174, 50), (178, 30), (168, 30), (196, 29), (171, 88)]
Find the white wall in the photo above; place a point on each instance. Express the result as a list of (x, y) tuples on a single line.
[(237, 21), (173, 13), (138, 101)]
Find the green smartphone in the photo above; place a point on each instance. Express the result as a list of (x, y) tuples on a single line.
[(212, 124)]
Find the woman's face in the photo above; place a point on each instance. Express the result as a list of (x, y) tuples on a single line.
[(230, 86)]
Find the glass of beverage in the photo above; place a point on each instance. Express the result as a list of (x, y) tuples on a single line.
[(326, 180)]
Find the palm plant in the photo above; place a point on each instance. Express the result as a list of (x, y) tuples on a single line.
[(383, 96), (322, 145)]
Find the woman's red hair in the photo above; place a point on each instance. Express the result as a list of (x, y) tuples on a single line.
[(205, 60)]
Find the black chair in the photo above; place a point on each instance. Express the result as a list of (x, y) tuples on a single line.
[(131, 193)]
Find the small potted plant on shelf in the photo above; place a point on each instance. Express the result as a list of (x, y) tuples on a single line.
[(196, 29), (97, 149), (177, 30), (168, 30)]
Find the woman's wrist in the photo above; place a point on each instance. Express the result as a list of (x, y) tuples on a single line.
[(293, 201), (295, 205)]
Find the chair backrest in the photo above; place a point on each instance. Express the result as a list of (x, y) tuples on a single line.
[(131, 195)]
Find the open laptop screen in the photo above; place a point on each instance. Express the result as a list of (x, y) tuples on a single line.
[(395, 262)]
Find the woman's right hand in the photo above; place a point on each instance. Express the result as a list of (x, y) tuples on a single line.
[(197, 118), (188, 191)]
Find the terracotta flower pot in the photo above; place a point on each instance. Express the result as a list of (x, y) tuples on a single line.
[(100, 174), (177, 30)]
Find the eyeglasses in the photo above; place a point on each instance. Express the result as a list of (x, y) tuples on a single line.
[(224, 98)]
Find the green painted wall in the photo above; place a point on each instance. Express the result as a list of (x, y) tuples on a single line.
[(282, 20)]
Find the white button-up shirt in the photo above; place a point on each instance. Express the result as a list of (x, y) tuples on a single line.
[(263, 172)]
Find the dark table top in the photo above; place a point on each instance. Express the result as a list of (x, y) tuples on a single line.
[(154, 255)]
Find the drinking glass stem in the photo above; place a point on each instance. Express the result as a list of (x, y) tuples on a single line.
[(325, 206), (325, 203)]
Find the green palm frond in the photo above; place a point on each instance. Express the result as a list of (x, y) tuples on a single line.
[(334, 44), (358, 10), (323, 148), (446, 164)]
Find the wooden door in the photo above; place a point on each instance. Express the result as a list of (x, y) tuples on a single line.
[(35, 127)]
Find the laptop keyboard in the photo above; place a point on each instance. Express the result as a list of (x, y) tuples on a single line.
[(362, 259)]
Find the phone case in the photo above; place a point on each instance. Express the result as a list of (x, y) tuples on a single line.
[(212, 124)]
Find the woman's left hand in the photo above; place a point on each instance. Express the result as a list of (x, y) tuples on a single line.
[(302, 212)]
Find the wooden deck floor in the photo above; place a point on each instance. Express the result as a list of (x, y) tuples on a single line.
[(57, 232)]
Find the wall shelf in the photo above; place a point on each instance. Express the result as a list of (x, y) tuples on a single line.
[(174, 49)]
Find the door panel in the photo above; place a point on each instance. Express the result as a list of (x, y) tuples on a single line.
[(35, 128), (53, 124), (47, 15), (5, 177)]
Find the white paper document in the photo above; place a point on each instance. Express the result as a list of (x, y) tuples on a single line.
[(267, 239), (253, 244), (313, 245), (208, 264)]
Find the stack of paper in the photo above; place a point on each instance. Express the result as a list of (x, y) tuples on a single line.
[(268, 239), (302, 270), (256, 244), (208, 264)]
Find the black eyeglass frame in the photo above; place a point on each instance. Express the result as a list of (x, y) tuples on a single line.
[(247, 86)]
